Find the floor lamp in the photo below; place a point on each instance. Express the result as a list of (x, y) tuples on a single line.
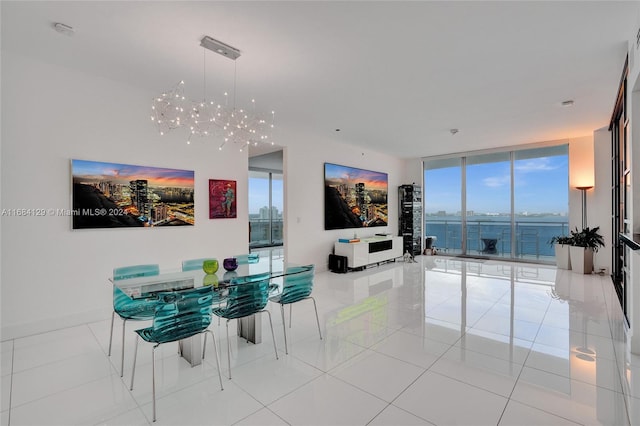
[(584, 190)]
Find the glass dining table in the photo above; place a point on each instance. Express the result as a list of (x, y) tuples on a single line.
[(249, 328)]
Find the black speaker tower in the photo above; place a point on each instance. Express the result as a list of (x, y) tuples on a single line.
[(410, 216)]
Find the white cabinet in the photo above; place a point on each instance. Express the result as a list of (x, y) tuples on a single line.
[(370, 251)]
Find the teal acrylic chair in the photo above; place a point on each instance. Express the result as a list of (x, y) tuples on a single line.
[(244, 259), (131, 309), (246, 296), (297, 286), (178, 315)]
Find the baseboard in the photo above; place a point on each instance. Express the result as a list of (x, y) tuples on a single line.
[(16, 331)]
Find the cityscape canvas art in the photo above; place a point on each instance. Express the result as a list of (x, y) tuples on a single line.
[(354, 198), (113, 195), (222, 199)]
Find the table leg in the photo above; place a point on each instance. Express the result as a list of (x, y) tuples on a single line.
[(191, 349), (251, 328)]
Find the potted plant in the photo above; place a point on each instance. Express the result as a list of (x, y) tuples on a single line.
[(561, 246), (584, 243)]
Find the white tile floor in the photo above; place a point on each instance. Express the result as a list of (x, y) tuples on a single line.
[(439, 342)]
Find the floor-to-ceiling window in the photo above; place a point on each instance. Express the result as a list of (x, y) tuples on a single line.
[(442, 203), (488, 206), (505, 204), (541, 200), (265, 208)]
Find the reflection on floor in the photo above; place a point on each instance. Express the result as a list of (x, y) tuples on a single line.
[(442, 341)]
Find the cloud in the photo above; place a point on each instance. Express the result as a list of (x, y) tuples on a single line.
[(496, 181), (535, 165)]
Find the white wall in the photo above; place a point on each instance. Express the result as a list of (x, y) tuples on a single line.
[(599, 200), (582, 173), (53, 276)]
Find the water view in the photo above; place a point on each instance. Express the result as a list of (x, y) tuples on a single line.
[(492, 235)]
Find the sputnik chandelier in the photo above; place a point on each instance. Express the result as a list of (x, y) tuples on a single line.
[(172, 110)]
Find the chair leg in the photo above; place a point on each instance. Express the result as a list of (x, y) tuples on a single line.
[(284, 328), (113, 315), (215, 349), (124, 323), (228, 351), (135, 357), (204, 346), (153, 378), (273, 336), (317, 320), (290, 314)]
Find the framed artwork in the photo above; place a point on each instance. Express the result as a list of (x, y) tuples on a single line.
[(354, 198), (113, 195), (222, 199)]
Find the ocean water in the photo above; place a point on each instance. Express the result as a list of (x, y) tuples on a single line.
[(532, 234)]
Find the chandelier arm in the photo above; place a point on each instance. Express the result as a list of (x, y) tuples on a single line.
[(204, 75), (235, 76)]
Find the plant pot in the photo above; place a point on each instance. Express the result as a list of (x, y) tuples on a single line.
[(563, 259), (581, 259)]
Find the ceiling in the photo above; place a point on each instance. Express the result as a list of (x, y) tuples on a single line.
[(394, 77)]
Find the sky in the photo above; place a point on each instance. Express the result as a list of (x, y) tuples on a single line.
[(259, 194), (124, 173), (541, 186), (335, 174)]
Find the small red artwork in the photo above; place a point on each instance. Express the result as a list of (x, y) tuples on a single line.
[(222, 199)]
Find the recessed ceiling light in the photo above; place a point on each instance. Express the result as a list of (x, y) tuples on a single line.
[(64, 29), (567, 103)]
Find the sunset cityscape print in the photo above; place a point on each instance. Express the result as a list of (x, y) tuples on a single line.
[(354, 198), (113, 195)]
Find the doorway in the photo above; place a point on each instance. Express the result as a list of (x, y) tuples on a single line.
[(266, 200)]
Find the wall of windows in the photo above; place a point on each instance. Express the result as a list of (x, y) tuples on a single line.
[(498, 204)]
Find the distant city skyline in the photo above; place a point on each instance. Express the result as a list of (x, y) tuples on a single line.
[(263, 213), (259, 194)]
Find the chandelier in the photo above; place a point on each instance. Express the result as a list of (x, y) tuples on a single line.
[(220, 120)]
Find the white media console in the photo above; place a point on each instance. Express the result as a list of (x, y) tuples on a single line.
[(369, 251)]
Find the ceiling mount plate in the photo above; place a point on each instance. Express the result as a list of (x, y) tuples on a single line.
[(220, 47)]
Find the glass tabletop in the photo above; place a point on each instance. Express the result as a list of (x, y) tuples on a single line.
[(176, 280)]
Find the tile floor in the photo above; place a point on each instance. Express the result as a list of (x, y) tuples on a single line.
[(439, 342)]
